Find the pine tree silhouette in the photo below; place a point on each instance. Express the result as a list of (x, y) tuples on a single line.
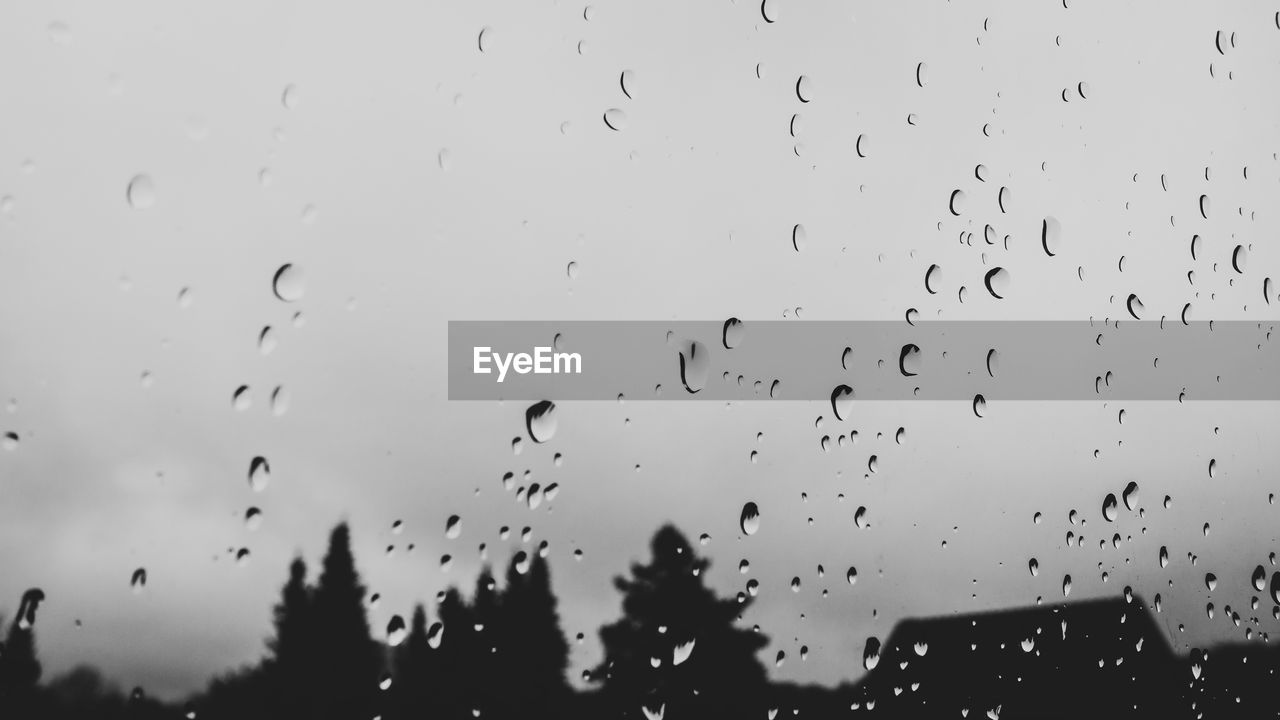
[(452, 697), (345, 661), (533, 655), (416, 670), (19, 668), (293, 647), (677, 647)]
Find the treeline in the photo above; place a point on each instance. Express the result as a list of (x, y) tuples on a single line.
[(677, 651)]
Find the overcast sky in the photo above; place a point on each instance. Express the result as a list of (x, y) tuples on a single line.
[(416, 172)]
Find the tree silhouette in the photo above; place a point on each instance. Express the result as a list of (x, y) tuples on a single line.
[(345, 660), (677, 647), (533, 655), (416, 670), (19, 668), (453, 697), (293, 647)]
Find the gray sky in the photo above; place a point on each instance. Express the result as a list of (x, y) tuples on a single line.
[(416, 180)]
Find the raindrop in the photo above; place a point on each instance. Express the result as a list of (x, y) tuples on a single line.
[(922, 74), (485, 40), (627, 81), (288, 283), (396, 631), (769, 9), (540, 419), (279, 401), (799, 237), (932, 278), (842, 402), (681, 652), (9, 441), (1135, 306), (695, 364), (240, 399), (1239, 258), (1130, 496), (871, 654), (993, 362), (750, 520), (1066, 585), (259, 474), (997, 281), (1003, 199), (141, 192), (909, 360), (289, 98), (138, 581), (1204, 206), (979, 405), (804, 88), (732, 333), (615, 119), (1110, 507), (453, 527), (956, 203), (1051, 236), (1259, 580)]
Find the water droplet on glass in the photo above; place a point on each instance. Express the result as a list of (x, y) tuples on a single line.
[(279, 401), (288, 283), (1110, 507), (259, 474), (138, 581), (909, 360), (241, 400), (628, 83), (695, 365), (1130, 496), (396, 631), (871, 654), (733, 333), (453, 527), (615, 119), (932, 279), (804, 88), (289, 98), (922, 74), (540, 419), (750, 519), (842, 402), (997, 281), (769, 9), (1135, 306), (957, 201), (1051, 236), (141, 192)]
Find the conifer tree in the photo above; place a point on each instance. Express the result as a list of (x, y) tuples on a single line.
[(678, 646)]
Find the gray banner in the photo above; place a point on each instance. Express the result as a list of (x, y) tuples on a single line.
[(847, 361)]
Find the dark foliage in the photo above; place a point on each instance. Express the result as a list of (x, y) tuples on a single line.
[(678, 651)]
